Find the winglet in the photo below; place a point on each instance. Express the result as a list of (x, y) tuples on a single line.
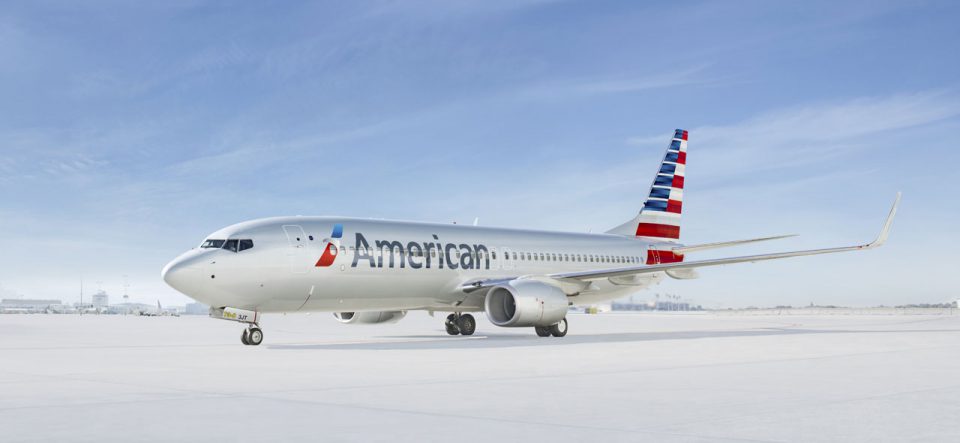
[(885, 232)]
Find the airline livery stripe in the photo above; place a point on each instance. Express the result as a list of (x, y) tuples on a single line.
[(668, 168), (678, 181), (656, 192), (657, 230), (674, 206), (655, 205), (676, 157), (655, 257), (663, 180)]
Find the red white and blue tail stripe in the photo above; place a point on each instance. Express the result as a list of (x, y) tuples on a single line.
[(659, 219)]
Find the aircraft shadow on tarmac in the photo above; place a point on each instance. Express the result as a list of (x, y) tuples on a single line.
[(414, 342)]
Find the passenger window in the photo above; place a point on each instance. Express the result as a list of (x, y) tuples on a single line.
[(514, 255), (246, 244), (230, 245)]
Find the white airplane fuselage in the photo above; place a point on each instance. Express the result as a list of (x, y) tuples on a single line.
[(423, 266), (373, 271)]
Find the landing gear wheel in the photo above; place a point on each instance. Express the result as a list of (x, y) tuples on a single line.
[(542, 331), (255, 336), (467, 324), (559, 329), (243, 337), (452, 329), (451, 325)]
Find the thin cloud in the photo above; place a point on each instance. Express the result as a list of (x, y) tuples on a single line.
[(578, 88), (813, 133)]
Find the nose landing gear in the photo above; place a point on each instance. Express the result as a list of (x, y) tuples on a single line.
[(252, 336), (463, 324)]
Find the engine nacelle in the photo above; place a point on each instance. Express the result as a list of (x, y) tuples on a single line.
[(525, 303), (369, 318)]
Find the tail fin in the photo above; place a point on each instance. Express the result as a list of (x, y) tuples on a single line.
[(659, 219)]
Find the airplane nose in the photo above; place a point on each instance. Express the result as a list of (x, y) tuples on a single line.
[(181, 275)]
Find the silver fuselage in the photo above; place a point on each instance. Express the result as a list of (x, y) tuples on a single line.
[(414, 265)]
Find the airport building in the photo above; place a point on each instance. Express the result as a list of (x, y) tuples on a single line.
[(101, 300), (27, 305)]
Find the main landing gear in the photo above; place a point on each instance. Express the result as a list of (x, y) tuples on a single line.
[(557, 330), (458, 323), (252, 336)]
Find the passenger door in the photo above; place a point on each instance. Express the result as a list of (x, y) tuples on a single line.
[(297, 257)]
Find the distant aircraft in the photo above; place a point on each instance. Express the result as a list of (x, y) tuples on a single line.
[(374, 271), (158, 313)]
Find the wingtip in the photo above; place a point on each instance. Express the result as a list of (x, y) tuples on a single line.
[(885, 232)]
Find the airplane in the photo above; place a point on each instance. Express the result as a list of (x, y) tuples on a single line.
[(374, 271), (158, 313)]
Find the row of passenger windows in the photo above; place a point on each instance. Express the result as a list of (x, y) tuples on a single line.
[(230, 245), (236, 245), (518, 256)]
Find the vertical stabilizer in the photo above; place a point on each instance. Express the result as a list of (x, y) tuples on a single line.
[(659, 219)]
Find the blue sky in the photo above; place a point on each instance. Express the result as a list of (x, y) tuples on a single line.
[(130, 130)]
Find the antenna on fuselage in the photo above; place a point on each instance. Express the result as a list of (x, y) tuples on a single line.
[(476, 221)]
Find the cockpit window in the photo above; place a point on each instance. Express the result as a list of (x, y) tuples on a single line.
[(230, 245), (210, 243)]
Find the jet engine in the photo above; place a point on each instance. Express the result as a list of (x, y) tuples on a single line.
[(369, 318), (525, 303)]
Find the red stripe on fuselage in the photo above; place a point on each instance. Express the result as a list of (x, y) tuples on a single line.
[(682, 158), (657, 230), (655, 257), (677, 181)]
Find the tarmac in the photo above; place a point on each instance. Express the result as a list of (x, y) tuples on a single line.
[(615, 377)]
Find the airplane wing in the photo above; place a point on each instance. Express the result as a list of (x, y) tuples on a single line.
[(637, 270), (696, 248)]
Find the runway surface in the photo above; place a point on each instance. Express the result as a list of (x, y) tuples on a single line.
[(615, 377)]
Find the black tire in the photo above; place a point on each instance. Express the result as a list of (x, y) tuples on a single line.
[(542, 331), (451, 325), (559, 329), (255, 337), (243, 338), (452, 329), (467, 324)]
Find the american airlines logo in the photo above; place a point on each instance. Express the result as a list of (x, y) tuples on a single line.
[(331, 247), (415, 255)]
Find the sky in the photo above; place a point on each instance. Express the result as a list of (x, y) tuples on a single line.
[(130, 130)]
